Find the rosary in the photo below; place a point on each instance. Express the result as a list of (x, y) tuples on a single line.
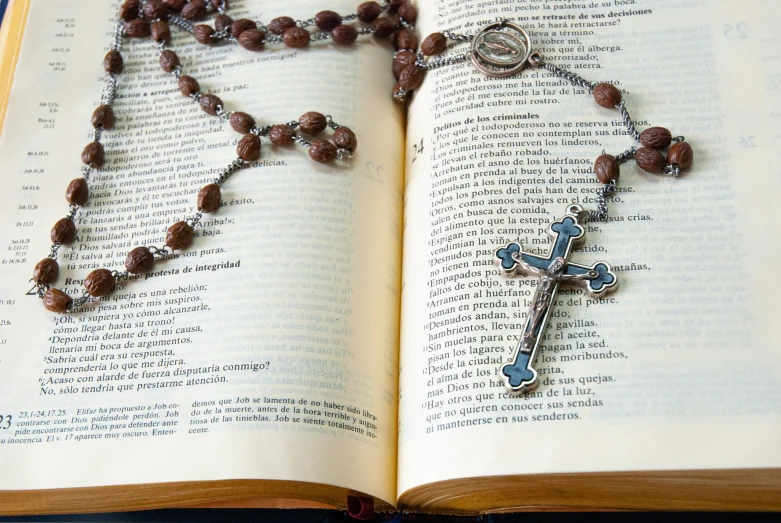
[(503, 48), (144, 18)]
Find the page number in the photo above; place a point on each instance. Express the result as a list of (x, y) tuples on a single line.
[(417, 150), (736, 31), (5, 422)]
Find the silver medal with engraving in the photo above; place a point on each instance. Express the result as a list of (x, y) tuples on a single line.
[(501, 49)]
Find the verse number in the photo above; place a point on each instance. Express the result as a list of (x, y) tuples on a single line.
[(5, 421), (735, 32), (747, 141), (417, 150)]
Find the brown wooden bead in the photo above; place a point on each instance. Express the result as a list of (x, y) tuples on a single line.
[(241, 122), (344, 34), (327, 20), (77, 192), (103, 116), (279, 25), (113, 62), (188, 85), (129, 10), (175, 5), (93, 154), (606, 168), (252, 39), (369, 11), (242, 24), (209, 103), (405, 38), (209, 198), (394, 5), (168, 60), (56, 301), (383, 27), (434, 43), (154, 9), (312, 122), (296, 37), (179, 236), (656, 138), (138, 28), (411, 77), (607, 95), (203, 33), (100, 282), (194, 10), (64, 231), (248, 148), (139, 260), (281, 134), (408, 13), (650, 160), (344, 138), (46, 271), (216, 3), (222, 22), (322, 151), (401, 60), (682, 154), (160, 31)]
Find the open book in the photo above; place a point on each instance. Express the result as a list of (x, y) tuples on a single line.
[(337, 330)]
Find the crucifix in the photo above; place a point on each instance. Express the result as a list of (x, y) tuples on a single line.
[(518, 374)]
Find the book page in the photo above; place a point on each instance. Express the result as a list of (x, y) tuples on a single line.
[(678, 369), (266, 350)]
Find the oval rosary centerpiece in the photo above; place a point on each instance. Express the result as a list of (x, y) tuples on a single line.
[(501, 49)]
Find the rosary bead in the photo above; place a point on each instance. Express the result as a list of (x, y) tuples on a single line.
[(203, 33), (607, 95), (344, 34), (209, 103), (252, 39), (216, 3), (103, 116), (682, 154), (327, 20), (312, 122), (656, 138), (99, 282), (188, 85), (222, 22), (248, 148), (405, 39), (369, 11), (279, 25), (194, 10), (129, 10), (56, 301), (155, 9), (408, 13), (394, 5), (411, 77), (77, 192), (383, 27), (344, 138), (175, 5), (160, 31), (139, 260), (179, 236), (281, 134), (113, 62), (434, 43), (138, 28), (606, 168), (64, 231), (650, 160), (168, 60), (322, 151), (296, 37), (401, 60), (46, 271), (209, 198), (242, 24), (93, 155), (241, 122)]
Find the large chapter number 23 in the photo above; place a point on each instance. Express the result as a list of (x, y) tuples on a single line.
[(5, 422)]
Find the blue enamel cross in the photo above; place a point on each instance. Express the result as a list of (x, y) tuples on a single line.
[(519, 375)]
